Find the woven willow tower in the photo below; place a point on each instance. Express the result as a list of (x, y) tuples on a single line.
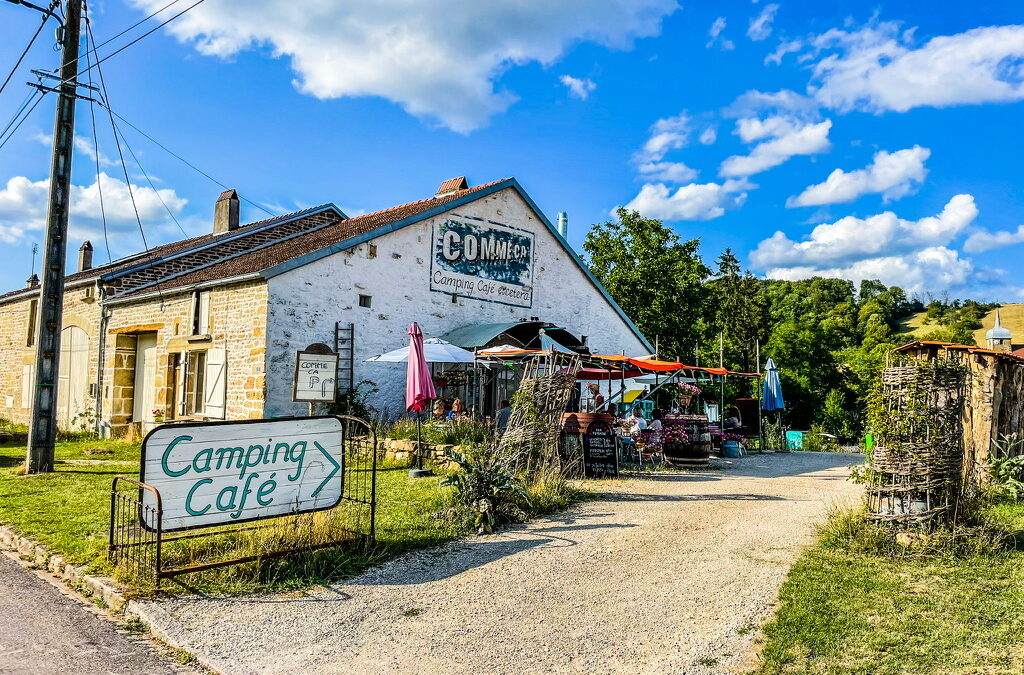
[(914, 470), (531, 437)]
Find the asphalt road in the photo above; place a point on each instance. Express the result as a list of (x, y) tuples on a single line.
[(44, 631)]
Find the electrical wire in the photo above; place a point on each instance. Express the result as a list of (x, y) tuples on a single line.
[(3, 141), (150, 181), (96, 139), (144, 35), (27, 47), (124, 167), (187, 163)]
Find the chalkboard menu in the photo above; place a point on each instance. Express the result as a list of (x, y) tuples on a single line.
[(600, 460)]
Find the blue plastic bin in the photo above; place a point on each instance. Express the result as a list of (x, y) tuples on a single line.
[(794, 440)]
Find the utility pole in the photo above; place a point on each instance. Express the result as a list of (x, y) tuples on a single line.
[(42, 431)]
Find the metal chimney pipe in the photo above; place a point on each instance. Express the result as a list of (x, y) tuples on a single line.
[(563, 224)]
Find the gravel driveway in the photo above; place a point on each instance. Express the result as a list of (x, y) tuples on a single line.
[(669, 573)]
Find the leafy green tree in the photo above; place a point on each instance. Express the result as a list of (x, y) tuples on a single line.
[(657, 278)]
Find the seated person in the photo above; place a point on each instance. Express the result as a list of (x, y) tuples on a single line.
[(732, 420), (636, 422), (458, 410), (439, 412)]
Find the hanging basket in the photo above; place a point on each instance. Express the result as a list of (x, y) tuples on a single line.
[(685, 400)]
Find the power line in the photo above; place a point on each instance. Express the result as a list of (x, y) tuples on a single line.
[(41, 96), (27, 47), (185, 161), (96, 139), (150, 181), (144, 35)]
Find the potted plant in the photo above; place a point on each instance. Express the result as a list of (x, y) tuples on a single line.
[(732, 445), (686, 393), (158, 415)]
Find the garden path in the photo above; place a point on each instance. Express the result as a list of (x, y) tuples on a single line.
[(669, 572)]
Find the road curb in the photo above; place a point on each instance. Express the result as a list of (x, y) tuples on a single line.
[(105, 590)]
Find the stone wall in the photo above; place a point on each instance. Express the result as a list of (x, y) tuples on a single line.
[(237, 324), (394, 269), (80, 310)]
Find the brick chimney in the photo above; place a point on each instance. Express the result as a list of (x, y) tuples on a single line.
[(85, 256), (32, 281), (225, 212), (452, 185)]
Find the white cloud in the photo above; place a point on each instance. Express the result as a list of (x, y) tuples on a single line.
[(439, 60), (667, 172), (851, 239), (787, 101), (708, 136), (878, 68), (893, 175), (785, 47), (578, 88), (690, 202), (787, 139), (715, 33), (761, 25), (986, 241), (932, 269), (23, 207), (669, 133)]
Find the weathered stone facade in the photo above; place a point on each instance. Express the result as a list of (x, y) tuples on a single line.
[(237, 325)]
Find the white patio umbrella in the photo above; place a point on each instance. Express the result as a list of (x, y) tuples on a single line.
[(435, 350)]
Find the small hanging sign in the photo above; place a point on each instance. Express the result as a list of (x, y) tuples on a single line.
[(316, 369)]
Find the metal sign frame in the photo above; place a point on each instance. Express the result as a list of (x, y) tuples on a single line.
[(142, 549), (186, 425)]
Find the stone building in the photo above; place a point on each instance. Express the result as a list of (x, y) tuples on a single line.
[(993, 396), (209, 327)]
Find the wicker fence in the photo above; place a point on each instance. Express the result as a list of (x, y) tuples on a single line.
[(915, 468)]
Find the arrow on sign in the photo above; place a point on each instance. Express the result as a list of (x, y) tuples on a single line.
[(331, 474)]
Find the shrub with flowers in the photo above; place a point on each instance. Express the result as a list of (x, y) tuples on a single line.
[(687, 389), (726, 436)]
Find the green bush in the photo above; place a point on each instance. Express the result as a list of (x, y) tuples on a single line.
[(1007, 466), (815, 440), (457, 432), (487, 493)]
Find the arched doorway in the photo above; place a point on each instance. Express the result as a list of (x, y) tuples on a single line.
[(73, 405)]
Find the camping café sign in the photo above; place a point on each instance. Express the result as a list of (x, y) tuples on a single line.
[(233, 472), (483, 260)]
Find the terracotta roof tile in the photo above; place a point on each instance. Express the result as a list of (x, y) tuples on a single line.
[(275, 254)]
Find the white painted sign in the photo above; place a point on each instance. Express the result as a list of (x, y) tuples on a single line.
[(485, 260), (314, 377), (231, 472)]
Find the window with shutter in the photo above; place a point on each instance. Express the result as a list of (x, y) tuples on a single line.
[(216, 384)]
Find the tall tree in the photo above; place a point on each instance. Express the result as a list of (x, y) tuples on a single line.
[(656, 277)]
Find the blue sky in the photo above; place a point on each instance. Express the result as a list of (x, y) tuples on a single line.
[(727, 120)]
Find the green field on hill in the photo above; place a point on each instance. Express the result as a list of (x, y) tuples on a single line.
[(1011, 315)]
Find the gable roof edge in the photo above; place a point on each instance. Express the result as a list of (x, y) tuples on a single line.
[(313, 256)]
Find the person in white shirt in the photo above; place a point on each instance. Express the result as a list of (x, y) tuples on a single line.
[(636, 423)]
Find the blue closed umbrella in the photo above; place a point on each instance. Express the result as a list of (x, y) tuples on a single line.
[(771, 398)]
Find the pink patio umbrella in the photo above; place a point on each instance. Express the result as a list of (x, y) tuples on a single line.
[(419, 387)]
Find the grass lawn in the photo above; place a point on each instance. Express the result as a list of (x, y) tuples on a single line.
[(68, 511), (846, 610)]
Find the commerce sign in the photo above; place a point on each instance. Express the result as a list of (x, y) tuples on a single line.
[(232, 472), (483, 260), (316, 369)]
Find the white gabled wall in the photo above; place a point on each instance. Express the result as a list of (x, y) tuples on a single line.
[(305, 303)]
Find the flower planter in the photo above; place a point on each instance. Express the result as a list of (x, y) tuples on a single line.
[(731, 449)]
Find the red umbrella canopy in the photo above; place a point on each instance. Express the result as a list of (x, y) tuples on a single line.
[(419, 386)]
